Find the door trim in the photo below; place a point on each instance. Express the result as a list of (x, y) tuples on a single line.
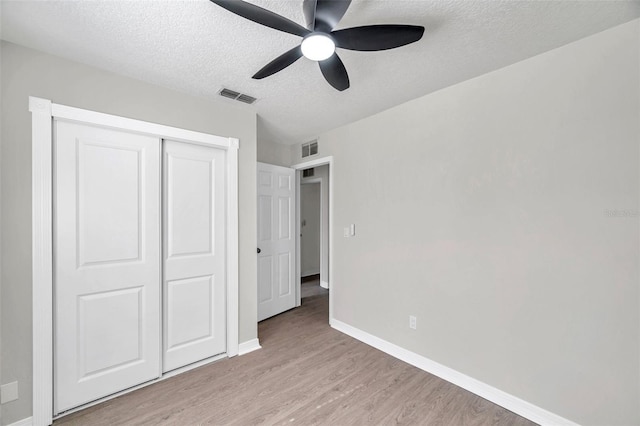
[(43, 112), (298, 168)]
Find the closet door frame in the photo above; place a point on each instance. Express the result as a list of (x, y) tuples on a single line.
[(43, 113)]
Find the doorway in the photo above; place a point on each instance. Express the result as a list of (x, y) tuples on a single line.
[(279, 235), (313, 248), (310, 228), (314, 232)]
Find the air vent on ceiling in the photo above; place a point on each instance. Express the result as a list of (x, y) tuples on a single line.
[(246, 99), (237, 96), (306, 173), (309, 148), (229, 94)]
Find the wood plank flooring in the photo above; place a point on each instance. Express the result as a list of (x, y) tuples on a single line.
[(306, 374), (310, 286)]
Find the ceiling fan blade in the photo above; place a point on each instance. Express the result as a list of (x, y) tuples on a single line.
[(309, 11), (279, 63), (262, 16), (377, 37), (329, 13), (335, 73)]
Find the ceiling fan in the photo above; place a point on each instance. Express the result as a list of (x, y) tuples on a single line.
[(319, 40)]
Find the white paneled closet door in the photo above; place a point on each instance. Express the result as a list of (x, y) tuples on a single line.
[(107, 262), (194, 253)]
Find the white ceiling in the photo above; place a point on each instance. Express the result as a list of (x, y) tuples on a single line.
[(196, 47)]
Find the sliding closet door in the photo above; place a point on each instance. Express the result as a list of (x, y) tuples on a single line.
[(107, 262), (194, 252)]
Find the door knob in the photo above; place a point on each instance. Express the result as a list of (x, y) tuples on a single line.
[(259, 250)]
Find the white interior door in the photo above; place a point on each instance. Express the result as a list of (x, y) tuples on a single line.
[(194, 250), (276, 240), (107, 262)]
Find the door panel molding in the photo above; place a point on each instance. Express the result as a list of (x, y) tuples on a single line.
[(198, 330), (43, 113)]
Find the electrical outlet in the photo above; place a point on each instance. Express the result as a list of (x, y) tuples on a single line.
[(413, 322), (9, 392)]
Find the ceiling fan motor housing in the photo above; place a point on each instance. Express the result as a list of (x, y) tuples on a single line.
[(318, 46)]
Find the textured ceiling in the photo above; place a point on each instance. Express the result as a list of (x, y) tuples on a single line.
[(196, 47)]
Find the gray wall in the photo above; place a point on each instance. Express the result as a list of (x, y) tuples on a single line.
[(26, 72), (485, 209), (274, 153)]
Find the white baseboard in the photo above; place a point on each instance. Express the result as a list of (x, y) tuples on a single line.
[(324, 284), (24, 422), (309, 273), (249, 346), (503, 399)]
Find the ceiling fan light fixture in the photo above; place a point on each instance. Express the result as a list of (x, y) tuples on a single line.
[(318, 46), (319, 39)]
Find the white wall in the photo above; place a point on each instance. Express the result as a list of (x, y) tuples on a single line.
[(484, 209), (310, 204), (27, 72)]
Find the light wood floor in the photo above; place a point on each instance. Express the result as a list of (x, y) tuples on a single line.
[(306, 373), (310, 286)]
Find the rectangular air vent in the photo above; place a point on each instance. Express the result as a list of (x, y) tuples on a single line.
[(229, 94), (237, 96), (309, 148), (246, 99), (307, 173)]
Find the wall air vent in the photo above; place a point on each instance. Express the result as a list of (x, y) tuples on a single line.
[(236, 96), (246, 99), (307, 173), (309, 148)]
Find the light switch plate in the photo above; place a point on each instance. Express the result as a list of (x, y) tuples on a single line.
[(352, 230), (413, 322), (346, 232)]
